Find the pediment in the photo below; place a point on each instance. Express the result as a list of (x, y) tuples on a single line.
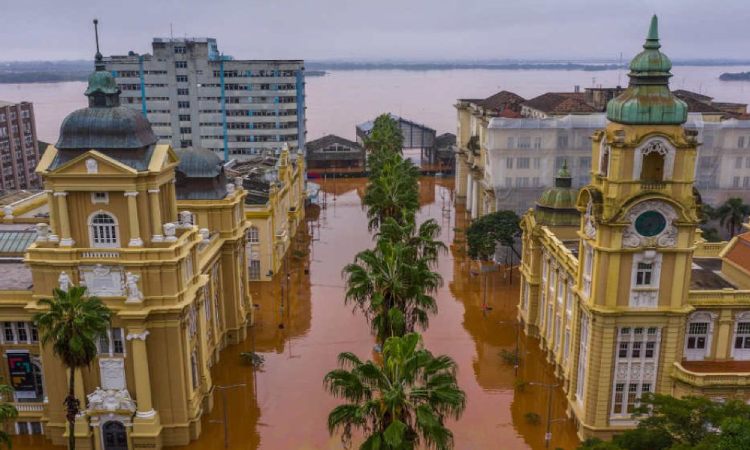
[(93, 163)]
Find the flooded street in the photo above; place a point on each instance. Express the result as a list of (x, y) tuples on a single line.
[(285, 406)]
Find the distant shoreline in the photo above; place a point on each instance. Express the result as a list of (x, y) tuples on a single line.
[(66, 71)]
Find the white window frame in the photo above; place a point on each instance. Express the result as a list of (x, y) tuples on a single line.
[(253, 235), (588, 268), (645, 295), (659, 145), (115, 226), (112, 335), (103, 200), (634, 370), (742, 354), (699, 354), (583, 354), (28, 327)]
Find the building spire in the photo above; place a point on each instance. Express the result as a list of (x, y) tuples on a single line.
[(652, 40), (98, 59)]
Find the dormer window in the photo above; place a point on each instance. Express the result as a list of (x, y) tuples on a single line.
[(100, 197)]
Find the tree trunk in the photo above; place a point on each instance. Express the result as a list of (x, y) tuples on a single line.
[(71, 403)]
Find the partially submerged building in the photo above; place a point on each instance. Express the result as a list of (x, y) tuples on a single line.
[(333, 153)]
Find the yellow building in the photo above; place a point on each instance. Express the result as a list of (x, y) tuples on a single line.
[(626, 297), (276, 206), (174, 273)]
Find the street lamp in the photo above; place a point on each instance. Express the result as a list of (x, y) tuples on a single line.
[(550, 387), (518, 340), (485, 270), (225, 420)]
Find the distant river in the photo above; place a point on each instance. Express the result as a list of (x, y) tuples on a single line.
[(340, 100)]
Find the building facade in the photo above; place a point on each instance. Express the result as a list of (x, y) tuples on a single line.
[(173, 272), (19, 152), (617, 283), (194, 96)]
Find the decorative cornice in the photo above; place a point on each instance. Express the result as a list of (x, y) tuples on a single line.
[(131, 194), (141, 336), (153, 191), (60, 194)]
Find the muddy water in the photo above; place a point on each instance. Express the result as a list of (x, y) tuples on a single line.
[(284, 405)]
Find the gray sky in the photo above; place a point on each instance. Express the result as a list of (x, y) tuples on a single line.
[(379, 29)]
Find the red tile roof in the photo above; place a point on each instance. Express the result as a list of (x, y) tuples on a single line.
[(561, 103), (739, 252)]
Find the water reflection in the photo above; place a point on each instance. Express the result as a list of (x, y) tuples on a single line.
[(284, 406)]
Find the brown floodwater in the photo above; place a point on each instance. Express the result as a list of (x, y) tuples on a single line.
[(284, 405)]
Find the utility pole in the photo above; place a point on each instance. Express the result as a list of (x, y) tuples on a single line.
[(225, 420), (550, 421), (517, 361)]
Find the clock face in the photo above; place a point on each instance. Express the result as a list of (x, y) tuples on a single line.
[(650, 223)]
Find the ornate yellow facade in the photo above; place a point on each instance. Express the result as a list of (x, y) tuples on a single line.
[(633, 300), (174, 273)]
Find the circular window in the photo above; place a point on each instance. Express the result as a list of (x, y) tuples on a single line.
[(650, 223)]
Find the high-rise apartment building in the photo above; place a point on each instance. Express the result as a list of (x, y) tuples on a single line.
[(19, 153), (194, 96)]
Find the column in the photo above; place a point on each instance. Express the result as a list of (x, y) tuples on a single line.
[(173, 214), (145, 408), (135, 232), (475, 199), (153, 197), (53, 236), (62, 206), (469, 192)]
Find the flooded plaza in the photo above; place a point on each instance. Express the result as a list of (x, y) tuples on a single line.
[(302, 325)]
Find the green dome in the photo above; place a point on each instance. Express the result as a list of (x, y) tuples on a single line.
[(557, 205), (648, 100)]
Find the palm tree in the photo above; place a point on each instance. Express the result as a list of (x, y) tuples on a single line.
[(392, 287), (7, 412), (732, 214), (393, 190), (423, 240), (73, 323), (385, 136), (400, 404)]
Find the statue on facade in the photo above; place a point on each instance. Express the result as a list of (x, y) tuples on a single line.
[(131, 285), (64, 281)]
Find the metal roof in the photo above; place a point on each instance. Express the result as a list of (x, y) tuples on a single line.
[(595, 121), (16, 241)]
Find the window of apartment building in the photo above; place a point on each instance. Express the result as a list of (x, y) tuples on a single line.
[(25, 115), (524, 142), (20, 333), (745, 181), (184, 117), (559, 161), (562, 142), (253, 235), (180, 50), (112, 342), (537, 163), (183, 104), (254, 269), (738, 162), (741, 142), (511, 143), (509, 182), (13, 115), (697, 336), (2, 117), (508, 163), (186, 130), (186, 143), (630, 385), (537, 142), (558, 327), (180, 64), (522, 182), (584, 163), (747, 162), (535, 181), (183, 91), (524, 163), (736, 182), (181, 78)]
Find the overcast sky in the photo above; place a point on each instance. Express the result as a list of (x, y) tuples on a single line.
[(379, 29)]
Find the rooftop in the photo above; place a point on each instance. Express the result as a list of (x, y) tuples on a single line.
[(706, 275), (561, 103), (325, 141)]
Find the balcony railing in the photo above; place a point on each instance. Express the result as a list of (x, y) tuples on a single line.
[(653, 185), (707, 379)]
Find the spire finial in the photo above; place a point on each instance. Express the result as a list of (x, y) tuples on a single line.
[(96, 34), (98, 59), (652, 39)]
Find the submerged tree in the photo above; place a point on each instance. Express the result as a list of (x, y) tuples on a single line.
[(423, 240), (393, 190), (385, 136), (485, 233), (7, 412), (73, 324), (401, 404)]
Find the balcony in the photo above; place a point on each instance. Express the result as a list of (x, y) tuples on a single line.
[(653, 185), (711, 374)]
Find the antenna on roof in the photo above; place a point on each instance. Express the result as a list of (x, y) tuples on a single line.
[(619, 70), (171, 31), (96, 34)]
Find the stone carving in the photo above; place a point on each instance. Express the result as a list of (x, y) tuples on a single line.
[(667, 238), (230, 188), (589, 227), (131, 284), (92, 166), (112, 373), (8, 210), (644, 298), (238, 182), (42, 232), (169, 232), (103, 281), (186, 219), (141, 336), (64, 281), (110, 400), (206, 234)]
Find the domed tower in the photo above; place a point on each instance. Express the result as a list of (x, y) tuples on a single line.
[(637, 236), (557, 205)]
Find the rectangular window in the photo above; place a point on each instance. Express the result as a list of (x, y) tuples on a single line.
[(742, 338), (562, 142), (537, 163), (584, 163), (745, 181), (180, 50), (509, 182), (186, 130), (522, 182), (180, 64), (181, 78), (523, 163), (34, 333), (510, 142), (747, 162), (537, 142), (582, 358), (184, 117), (741, 142), (9, 333), (644, 274), (535, 181), (566, 346), (112, 342), (738, 162), (736, 182), (559, 161), (624, 346), (23, 335), (619, 396), (524, 142), (183, 91), (118, 344), (508, 163), (636, 352), (632, 397), (183, 105), (650, 346)]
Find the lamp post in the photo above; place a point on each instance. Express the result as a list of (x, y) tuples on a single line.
[(517, 361), (550, 421), (485, 270), (225, 420)]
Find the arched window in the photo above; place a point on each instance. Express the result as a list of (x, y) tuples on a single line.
[(654, 161), (698, 335), (253, 236), (103, 231)]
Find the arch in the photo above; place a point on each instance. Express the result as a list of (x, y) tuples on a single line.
[(654, 158), (104, 230), (114, 436)]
